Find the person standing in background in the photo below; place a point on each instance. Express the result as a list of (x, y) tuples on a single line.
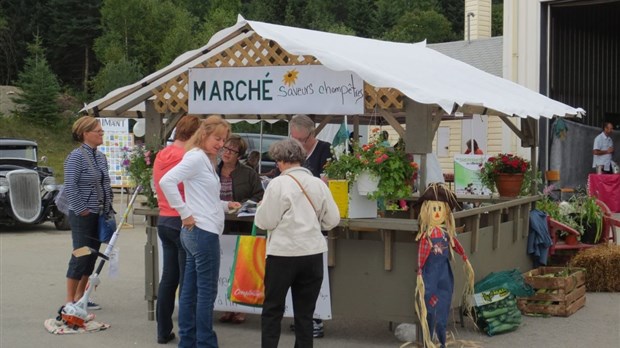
[(239, 183), (318, 152), (89, 193), (477, 150), (295, 208), (603, 149), (202, 223), (252, 160), (169, 229)]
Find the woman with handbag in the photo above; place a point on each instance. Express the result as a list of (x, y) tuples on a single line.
[(295, 208), (88, 191), (202, 221)]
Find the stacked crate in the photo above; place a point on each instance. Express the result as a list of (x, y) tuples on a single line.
[(559, 291)]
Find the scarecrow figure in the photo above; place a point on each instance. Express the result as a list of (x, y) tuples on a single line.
[(435, 282)]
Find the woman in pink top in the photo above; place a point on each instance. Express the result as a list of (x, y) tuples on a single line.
[(169, 229)]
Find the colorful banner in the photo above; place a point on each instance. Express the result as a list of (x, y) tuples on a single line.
[(116, 136), (309, 89), (466, 175)]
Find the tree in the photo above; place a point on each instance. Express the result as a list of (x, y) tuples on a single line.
[(454, 11), (114, 75), (160, 22), (497, 18), (222, 14), (40, 88), (75, 25), (416, 26)]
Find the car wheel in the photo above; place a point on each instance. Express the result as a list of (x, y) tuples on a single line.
[(62, 224)]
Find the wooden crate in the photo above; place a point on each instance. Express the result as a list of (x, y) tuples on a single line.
[(569, 296)]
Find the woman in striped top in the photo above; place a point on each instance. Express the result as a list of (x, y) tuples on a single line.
[(85, 167)]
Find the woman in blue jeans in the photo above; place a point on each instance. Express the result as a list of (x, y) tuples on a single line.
[(169, 229), (202, 218)]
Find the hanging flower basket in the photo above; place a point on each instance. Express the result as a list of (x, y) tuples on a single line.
[(509, 185), (367, 183)]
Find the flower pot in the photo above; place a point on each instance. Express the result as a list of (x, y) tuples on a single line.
[(509, 185), (367, 183)]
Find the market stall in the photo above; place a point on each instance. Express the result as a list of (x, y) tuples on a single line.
[(412, 92)]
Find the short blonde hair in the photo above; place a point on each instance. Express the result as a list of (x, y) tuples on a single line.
[(83, 125), (213, 124)]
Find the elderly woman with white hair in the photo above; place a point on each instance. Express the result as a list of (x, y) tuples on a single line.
[(295, 208)]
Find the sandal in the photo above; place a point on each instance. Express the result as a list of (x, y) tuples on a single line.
[(238, 318), (227, 317)]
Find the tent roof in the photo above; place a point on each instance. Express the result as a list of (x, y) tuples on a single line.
[(420, 73)]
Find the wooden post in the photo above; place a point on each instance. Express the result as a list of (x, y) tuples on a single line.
[(419, 134), (153, 126)]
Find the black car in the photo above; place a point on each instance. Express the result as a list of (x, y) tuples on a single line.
[(27, 190)]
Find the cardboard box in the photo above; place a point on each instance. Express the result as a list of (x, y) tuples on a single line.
[(350, 203)]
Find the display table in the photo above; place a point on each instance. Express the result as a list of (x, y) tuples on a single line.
[(606, 187)]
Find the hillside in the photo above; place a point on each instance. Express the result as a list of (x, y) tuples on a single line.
[(55, 143)]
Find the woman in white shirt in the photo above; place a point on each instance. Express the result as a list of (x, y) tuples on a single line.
[(202, 216), (295, 208)]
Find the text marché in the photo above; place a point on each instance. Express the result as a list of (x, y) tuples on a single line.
[(258, 90)]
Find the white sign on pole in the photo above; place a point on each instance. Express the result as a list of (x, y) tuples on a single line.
[(466, 175), (309, 89), (323, 308)]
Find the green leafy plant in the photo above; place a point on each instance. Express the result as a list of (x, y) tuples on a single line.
[(394, 168), (138, 162), (589, 213), (503, 163)]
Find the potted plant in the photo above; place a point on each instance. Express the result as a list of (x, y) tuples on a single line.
[(590, 216), (505, 172), (393, 168), (138, 162)]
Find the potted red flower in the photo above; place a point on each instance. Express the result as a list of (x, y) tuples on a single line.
[(504, 172)]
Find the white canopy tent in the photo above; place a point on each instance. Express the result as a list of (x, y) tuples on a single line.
[(422, 74)]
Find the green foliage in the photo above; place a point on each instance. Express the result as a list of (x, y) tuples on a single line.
[(115, 75), (74, 25), (216, 20), (497, 19), (416, 26), (392, 166), (136, 29), (40, 89), (54, 142), (138, 163)]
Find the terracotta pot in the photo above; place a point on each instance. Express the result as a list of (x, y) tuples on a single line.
[(509, 185), (571, 239)]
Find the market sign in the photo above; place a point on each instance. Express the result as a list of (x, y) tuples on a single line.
[(308, 89)]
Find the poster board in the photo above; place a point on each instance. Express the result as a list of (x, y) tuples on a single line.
[(222, 303), (116, 136), (466, 175)]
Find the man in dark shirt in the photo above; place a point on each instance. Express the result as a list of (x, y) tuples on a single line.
[(301, 128), (318, 151)]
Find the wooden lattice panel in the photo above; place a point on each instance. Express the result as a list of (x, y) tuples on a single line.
[(255, 51), (382, 98)]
